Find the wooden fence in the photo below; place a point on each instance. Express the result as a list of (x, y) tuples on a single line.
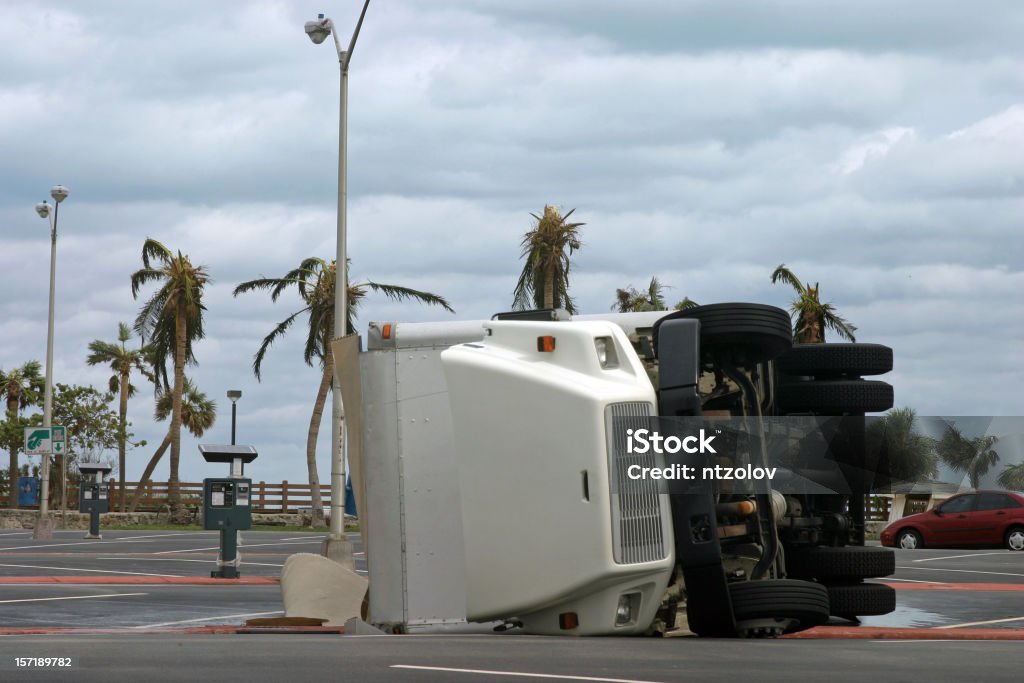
[(288, 497), (266, 496)]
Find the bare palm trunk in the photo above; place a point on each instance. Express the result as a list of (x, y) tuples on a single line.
[(12, 491), (123, 424), (149, 472), (549, 287), (311, 438), (173, 484)]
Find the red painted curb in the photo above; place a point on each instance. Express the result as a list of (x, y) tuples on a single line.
[(145, 580), (990, 587), (881, 633)]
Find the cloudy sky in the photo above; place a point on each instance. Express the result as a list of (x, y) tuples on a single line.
[(874, 147)]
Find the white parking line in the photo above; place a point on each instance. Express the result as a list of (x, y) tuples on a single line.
[(981, 623), (519, 674), (957, 557), (175, 559), (112, 540), (196, 621), (964, 571), (937, 583), (217, 547), (73, 597), (316, 539), (73, 569)]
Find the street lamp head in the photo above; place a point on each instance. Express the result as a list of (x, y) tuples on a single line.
[(59, 193), (319, 30), (234, 394), (43, 209)]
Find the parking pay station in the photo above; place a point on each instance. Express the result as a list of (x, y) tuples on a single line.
[(227, 504), (92, 495)]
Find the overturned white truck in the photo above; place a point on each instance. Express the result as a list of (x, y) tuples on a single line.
[(502, 477)]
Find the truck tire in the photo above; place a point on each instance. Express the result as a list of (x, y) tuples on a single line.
[(861, 599), (796, 605), (836, 360), (848, 563), (753, 332), (832, 397)]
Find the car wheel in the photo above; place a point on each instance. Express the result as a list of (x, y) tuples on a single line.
[(777, 606), (833, 397), (836, 360), (751, 332), (850, 563), (1015, 538), (908, 539), (861, 599)]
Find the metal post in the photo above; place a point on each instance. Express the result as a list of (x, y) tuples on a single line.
[(228, 555), (234, 406), (337, 546), (44, 525)]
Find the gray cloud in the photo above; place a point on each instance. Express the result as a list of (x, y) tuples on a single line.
[(871, 147)]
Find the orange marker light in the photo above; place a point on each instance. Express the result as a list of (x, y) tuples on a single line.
[(546, 344), (386, 332), (568, 621)]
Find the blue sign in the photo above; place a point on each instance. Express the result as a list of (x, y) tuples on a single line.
[(28, 491)]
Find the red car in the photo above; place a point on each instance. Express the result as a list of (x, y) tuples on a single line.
[(980, 518)]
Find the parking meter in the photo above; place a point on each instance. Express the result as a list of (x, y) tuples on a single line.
[(93, 495), (227, 504)]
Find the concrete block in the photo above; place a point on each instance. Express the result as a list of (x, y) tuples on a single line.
[(314, 586)]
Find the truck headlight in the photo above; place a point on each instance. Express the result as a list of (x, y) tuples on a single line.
[(628, 609), (606, 352)]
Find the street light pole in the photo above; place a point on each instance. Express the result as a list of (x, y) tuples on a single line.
[(318, 31), (44, 525), (234, 395)]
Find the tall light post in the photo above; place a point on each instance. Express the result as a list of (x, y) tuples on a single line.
[(233, 396), (44, 525), (337, 546)]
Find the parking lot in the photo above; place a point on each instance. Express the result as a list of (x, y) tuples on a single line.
[(142, 580), (135, 601)]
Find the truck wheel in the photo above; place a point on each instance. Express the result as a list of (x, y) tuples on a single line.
[(861, 599), (772, 607), (836, 360), (849, 563), (829, 397), (753, 332)]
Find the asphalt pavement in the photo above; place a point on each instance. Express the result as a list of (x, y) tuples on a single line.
[(136, 603)]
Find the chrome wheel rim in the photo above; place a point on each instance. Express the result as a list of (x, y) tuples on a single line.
[(1015, 539), (908, 541)]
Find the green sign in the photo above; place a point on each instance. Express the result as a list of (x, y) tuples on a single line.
[(57, 439), (37, 440)]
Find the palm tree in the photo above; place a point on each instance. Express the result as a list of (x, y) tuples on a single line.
[(907, 454), (315, 281), (811, 316), (198, 414), (1012, 477), (629, 299), (973, 457), (122, 361), (685, 304), (544, 282), (22, 387), (172, 319)]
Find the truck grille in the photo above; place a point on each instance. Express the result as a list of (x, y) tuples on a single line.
[(637, 530)]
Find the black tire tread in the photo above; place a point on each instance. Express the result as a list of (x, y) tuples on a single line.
[(781, 598), (834, 396), (861, 599), (829, 360), (848, 563)]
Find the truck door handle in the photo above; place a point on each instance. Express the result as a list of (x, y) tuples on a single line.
[(961, 516), (1001, 512)]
